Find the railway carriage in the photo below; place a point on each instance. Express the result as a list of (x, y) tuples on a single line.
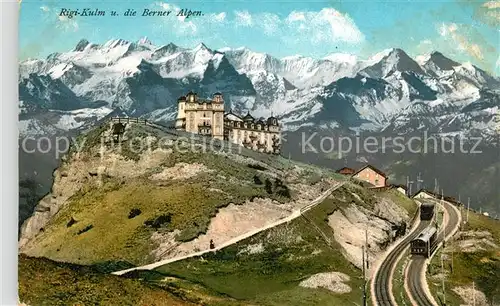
[(426, 211), (425, 243)]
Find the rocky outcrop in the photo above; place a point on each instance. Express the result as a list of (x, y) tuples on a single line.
[(85, 168), (354, 223), (471, 296), (333, 281), (67, 181)]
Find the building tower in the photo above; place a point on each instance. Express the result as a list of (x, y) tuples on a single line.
[(218, 116), (180, 122), (191, 112), (275, 137)]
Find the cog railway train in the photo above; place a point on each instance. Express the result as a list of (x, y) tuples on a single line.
[(426, 211), (425, 243)]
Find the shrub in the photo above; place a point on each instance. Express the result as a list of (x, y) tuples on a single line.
[(134, 213), (71, 222), (283, 191), (257, 180), (159, 221), (257, 167), (269, 186), (111, 266), (86, 229)]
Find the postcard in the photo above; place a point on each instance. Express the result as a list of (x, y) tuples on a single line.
[(259, 152)]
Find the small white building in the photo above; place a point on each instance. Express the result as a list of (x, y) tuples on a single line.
[(424, 194), (401, 189)]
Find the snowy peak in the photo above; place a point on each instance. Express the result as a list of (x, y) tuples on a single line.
[(342, 58), (202, 47), (437, 63), (303, 72), (144, 41), (110, 44), (442, 61), (202, 52), (245, 60), (165, 51), (476, 76), (395, 60), (80, 46)]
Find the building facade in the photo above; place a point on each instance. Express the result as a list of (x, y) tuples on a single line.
[(201, 116), (261, 135), (402, 189), (371, 175), (207, 117)]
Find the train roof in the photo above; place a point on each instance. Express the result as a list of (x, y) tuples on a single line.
[(427, 233), (428, 204)]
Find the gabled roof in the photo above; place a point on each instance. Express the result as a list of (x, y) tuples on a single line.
[(438, 196), (248, 117), (400, 186), (232, 117), (428, 192), (373, 168)]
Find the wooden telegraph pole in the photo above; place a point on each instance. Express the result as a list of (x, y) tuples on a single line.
[(366, 247), (364, 276), (419, 180), (452, 260), (442, 221), (442, 272), (468, 208)]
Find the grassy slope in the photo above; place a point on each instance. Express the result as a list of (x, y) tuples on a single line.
[(291, 253), (114, 236), (398, 288), (408, 204), (45, 282), (481, 267)]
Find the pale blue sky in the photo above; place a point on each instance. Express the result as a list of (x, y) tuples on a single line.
[(463, 30)]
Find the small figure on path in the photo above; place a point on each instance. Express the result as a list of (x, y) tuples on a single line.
[(212, 245)]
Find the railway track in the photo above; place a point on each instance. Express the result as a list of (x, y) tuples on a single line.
[(415, 273), (417, 265), (383, 279)]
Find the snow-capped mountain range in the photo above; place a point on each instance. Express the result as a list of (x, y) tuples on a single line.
[(389, 92)]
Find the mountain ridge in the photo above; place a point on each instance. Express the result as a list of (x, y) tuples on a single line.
[(101, 72)]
